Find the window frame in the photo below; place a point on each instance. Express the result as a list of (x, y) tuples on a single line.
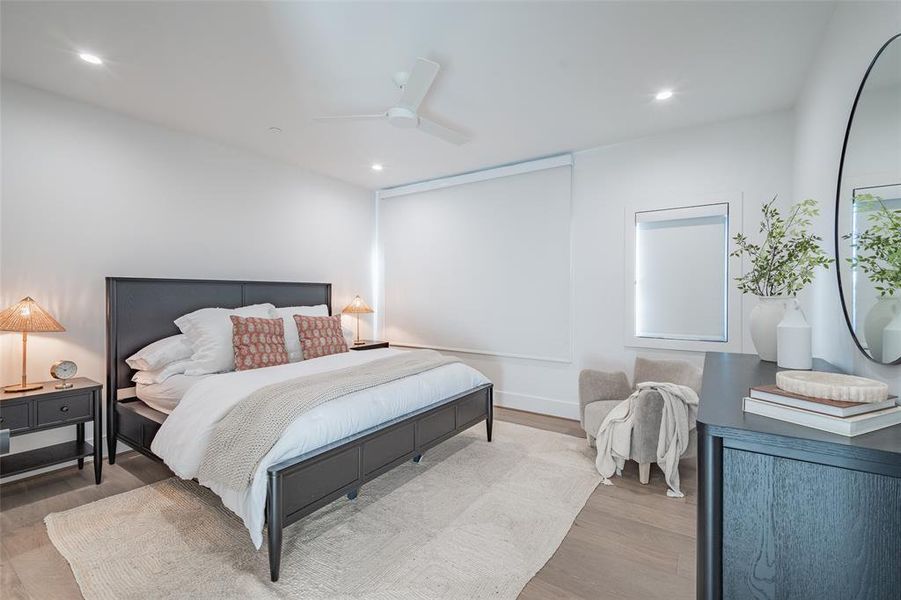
[(733, 341)]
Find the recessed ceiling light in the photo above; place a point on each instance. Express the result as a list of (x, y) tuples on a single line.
[(664, 95), (275, 130), (90, 58), (377, 167)]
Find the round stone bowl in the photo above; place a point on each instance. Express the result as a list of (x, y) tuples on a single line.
[(832, 386)]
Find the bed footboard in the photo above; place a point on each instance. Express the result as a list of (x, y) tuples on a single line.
[(302, 485)]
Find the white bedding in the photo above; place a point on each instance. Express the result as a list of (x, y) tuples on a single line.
[(166, 395), (183, 438)]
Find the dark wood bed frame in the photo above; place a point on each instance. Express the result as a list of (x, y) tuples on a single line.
[(140, 311)]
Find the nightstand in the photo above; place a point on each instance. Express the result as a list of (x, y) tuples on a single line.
[(50, 408), (368, 345)]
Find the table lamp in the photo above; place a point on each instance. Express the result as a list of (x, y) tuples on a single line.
[(26, 316), (357, 307)]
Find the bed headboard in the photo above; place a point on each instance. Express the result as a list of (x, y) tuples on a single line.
[(140, 311)]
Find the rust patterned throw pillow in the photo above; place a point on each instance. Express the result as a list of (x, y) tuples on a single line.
[(258, 342), (320, 336)]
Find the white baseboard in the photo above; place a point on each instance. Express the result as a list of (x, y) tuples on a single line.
[(537, 404)]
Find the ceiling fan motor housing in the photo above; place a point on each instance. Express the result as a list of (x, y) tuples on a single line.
[(403, 117)]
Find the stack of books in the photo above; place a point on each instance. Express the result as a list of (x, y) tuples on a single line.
[(835, 416)]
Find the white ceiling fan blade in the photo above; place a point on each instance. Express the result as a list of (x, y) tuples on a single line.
[(352, 117), (418, 83), (445, 133)]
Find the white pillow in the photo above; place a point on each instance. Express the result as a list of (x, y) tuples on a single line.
[(162, 374), (210, 332), (160, 353), (292, 338)]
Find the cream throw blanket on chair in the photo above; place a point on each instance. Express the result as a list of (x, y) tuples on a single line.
[(614, 438)]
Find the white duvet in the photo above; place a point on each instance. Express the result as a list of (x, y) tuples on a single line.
[(182, 440)]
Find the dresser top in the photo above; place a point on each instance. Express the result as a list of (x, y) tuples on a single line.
[(728, 379), (78, 384)]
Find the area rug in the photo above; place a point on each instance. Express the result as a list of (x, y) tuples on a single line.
[(472, 520)]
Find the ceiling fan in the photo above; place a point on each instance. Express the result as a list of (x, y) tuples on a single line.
[(414, 86)]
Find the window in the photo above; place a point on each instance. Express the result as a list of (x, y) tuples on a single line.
[(480, 263), (679, 295)]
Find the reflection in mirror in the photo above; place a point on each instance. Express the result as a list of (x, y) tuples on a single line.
[(868, 211), (875, 265)]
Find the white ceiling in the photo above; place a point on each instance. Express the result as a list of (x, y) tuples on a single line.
[(525, 80)]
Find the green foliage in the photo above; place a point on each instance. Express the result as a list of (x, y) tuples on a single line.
[(878, 249), (785, 262)]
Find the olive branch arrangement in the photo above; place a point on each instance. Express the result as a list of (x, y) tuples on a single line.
[(878, 249), (786, 260)]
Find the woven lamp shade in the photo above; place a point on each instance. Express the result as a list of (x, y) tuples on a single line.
[(28, 316), (357, 307)]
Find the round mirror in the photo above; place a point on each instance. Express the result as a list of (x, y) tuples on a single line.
[(868, 211)]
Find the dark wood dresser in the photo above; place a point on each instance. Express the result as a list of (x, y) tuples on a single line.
[(786, 511)]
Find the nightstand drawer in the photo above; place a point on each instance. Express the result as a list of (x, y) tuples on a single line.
[(67, 408), (14, 417)]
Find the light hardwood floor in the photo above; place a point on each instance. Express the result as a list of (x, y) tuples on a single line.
[(629, 541)]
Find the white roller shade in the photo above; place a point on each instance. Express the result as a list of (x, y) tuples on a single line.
[(482, 264), (681, 270)]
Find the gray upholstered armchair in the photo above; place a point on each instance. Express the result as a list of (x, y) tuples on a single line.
[(599, 392)]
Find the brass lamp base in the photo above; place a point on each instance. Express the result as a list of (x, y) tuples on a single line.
[(359, 342), (22, 387)]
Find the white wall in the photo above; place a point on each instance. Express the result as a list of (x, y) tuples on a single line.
[(752, 156), (855, 34), (89, 193)]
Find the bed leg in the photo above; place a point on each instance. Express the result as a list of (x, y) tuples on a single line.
[(489, 421), (274, 516), (352, 494), (417, 458)]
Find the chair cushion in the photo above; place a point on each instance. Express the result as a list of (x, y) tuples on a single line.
[(595, 413)]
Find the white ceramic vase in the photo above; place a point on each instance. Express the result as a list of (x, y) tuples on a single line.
[(765, 317), (793, 339), (891, 336), (878, 317)]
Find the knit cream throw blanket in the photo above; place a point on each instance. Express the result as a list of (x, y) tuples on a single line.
[(255, 424)]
